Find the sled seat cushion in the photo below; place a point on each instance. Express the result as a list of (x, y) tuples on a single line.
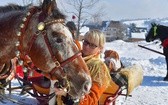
[(134, 75)]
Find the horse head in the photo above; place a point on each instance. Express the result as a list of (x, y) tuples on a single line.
[(157, 32), (152, 33), (40, 33)]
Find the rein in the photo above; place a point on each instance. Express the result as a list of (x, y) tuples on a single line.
[(20, 53)]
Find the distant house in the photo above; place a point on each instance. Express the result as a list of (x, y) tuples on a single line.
[(124, 29), (92, 26), (113, 30), (138, 33), (139, 29), (136, 29)]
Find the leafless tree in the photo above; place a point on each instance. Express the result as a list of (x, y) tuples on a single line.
[(97, 16), (26, 2), (82, 10)]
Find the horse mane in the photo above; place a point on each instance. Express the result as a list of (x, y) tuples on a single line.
[(14, 7), (163, 26)]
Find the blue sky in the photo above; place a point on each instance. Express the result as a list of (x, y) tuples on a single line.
[(124, 9)]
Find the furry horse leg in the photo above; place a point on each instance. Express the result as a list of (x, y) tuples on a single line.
[(165, 50)]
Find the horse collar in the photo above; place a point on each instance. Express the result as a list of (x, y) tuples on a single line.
[(22, 28)]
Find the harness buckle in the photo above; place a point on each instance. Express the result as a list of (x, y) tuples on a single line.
[(57, 64)]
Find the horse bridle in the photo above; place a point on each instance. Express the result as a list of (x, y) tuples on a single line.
[(154, 30), (41, 31)]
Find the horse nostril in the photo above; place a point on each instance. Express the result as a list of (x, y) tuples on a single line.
[(64, 82), (57, 85), (87, 87)]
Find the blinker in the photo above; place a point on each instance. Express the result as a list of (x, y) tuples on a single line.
[(154, 29), (41, 26)]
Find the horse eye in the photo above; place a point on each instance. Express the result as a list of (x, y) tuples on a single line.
[(59, 40)]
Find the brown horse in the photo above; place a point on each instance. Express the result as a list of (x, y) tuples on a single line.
[(40, 33)]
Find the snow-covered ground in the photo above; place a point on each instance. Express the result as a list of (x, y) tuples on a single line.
[(153, 90)]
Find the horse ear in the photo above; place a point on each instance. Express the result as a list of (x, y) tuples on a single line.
[(153, 24), (54, 3), (48, 6)]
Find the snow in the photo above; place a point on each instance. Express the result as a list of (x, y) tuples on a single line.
[(138, 22), (83, 30), (152, 91), (138, 35)]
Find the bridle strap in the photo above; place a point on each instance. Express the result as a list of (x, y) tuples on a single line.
[(71, 59), (59, 66), (62, 64), (30, 43), (154, 30)]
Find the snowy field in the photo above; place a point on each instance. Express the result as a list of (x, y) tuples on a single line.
[(153, 90)]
